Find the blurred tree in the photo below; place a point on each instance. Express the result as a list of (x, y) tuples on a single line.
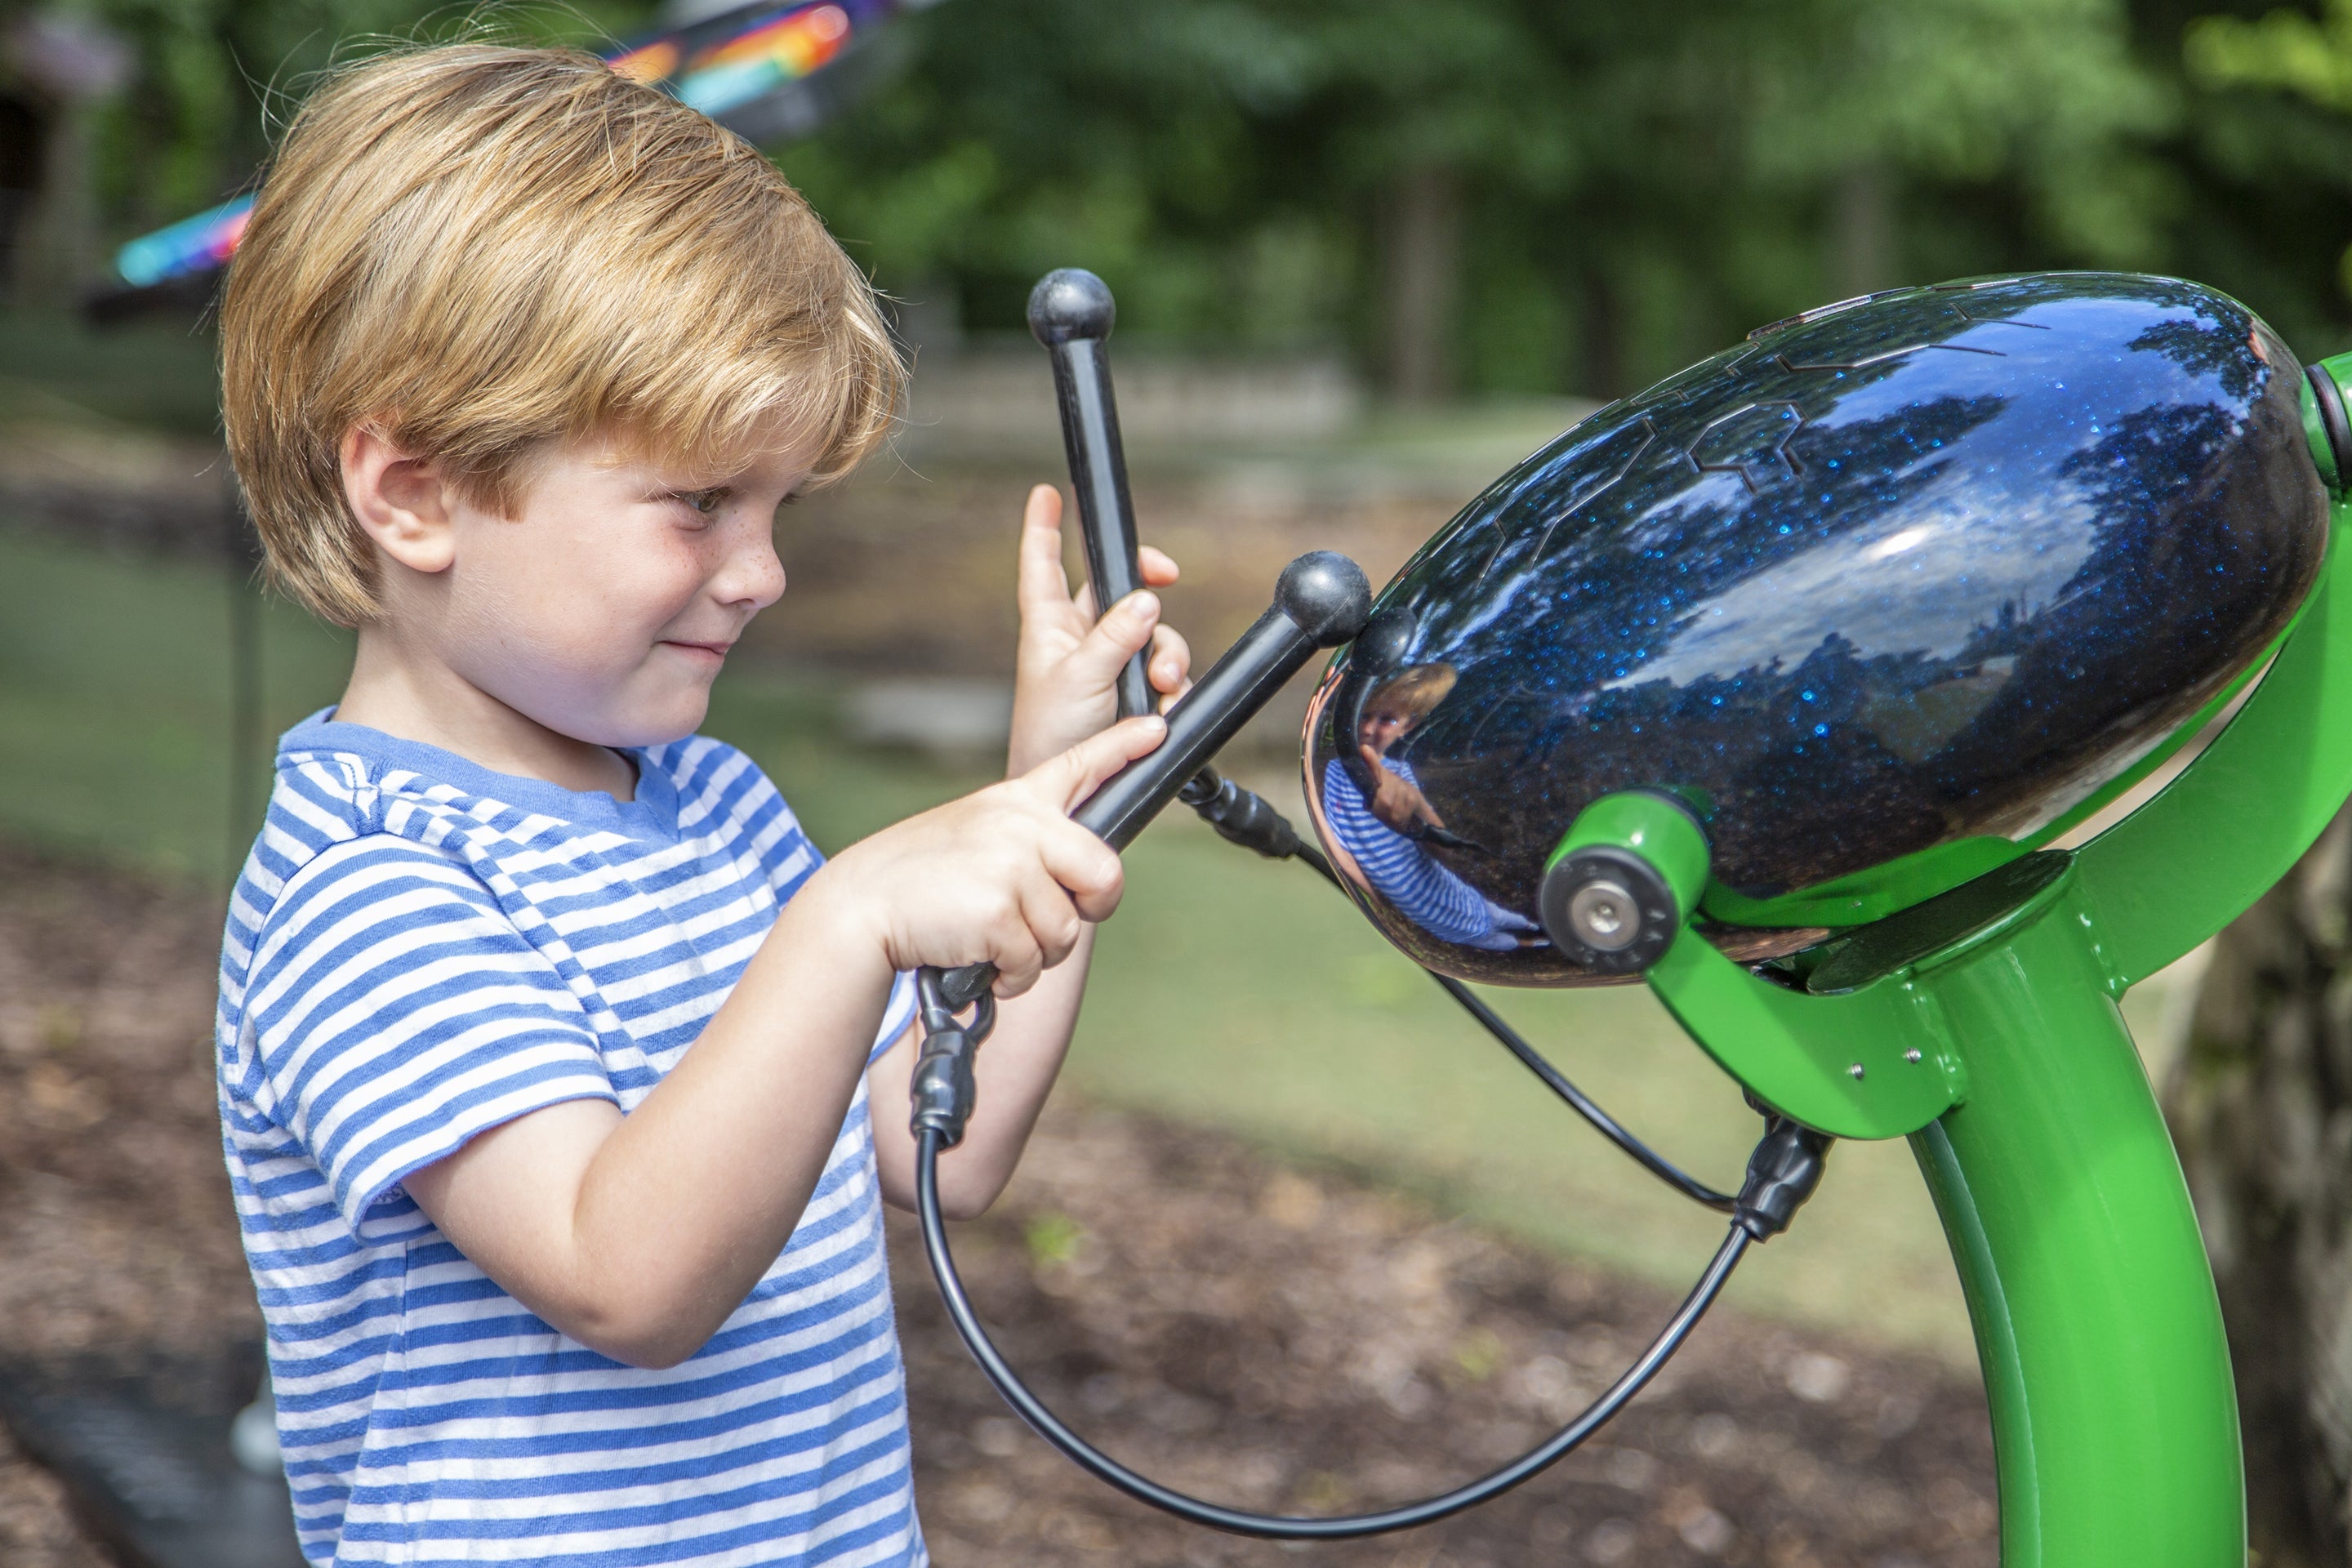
[(2260, 1103), (1484, 195), (2295, 71), (1502, 193), (210, 76), (67, 64)]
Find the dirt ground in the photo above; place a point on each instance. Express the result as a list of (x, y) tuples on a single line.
[(1269, 1334)]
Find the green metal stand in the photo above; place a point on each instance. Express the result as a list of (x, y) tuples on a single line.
[(2114, 1422), (1983, 1025)]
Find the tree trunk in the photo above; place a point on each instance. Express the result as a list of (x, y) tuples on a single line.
[(2260, 1107), (1422, 269), (1861, 233), (58, 247), (1603, 367)]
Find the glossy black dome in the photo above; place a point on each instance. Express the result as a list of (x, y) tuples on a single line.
[(1908, 580)]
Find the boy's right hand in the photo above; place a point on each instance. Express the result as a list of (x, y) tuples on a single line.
[(1003, 874)]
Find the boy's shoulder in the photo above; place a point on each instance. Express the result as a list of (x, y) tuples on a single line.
[(344, 792)]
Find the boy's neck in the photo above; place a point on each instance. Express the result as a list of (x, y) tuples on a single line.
[(422, 700)]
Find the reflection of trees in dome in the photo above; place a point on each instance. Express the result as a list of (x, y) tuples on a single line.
[(2209, 346)]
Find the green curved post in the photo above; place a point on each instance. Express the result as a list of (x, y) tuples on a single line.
[(2115, 1420)]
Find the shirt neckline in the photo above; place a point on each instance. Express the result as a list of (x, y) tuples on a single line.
[(652, 814)]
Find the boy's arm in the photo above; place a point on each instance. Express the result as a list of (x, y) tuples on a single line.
[(1065, 690), (638, 1236)]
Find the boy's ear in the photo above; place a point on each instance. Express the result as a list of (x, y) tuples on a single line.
[(402, 501)]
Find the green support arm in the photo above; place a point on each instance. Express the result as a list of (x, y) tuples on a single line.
[(2169, 876)]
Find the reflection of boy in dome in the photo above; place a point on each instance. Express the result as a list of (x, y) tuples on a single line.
[(1374, 831)]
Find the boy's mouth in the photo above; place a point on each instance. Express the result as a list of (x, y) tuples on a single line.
[(715, 651)]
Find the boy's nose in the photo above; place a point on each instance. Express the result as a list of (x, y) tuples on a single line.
[(752, 575)]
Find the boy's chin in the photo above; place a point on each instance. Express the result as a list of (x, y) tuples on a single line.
[(655, 723)]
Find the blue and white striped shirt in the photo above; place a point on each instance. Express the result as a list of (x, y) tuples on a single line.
[(420, 950), (1402, 871)]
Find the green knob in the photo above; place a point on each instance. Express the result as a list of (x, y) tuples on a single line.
[(1624, 881)]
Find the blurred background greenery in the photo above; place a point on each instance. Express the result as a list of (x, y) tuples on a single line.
[(1465, 214), (1459, 195)]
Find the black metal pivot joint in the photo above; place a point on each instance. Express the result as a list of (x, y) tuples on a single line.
[(1782, 1173), (1239, 816), (2333, 420), (1609, 910)]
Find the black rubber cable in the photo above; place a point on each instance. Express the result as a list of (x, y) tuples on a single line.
[(1285, 1527), (1608, 1126)]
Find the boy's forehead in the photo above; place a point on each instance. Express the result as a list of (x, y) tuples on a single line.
[(777, 445)]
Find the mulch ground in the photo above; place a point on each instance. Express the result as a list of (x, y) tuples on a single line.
[(1268, 1334)]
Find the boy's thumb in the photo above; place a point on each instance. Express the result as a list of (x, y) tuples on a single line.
[(1114, 640), (1077, 773)]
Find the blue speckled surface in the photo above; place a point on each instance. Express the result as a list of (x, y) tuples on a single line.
[(1933, 565)]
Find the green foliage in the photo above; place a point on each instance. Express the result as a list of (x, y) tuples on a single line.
[(1632, 186), (215, 77), (2302, 58), (1639, 183), (2309, 56)]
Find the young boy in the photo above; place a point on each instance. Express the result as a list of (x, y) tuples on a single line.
[(546, 1041)]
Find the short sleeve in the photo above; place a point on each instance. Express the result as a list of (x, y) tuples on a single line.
[(896, 1014), (393, 1011)]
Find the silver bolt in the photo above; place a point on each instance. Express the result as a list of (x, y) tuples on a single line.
[(1912, 1055), (1856, 1070), (1604, 916)]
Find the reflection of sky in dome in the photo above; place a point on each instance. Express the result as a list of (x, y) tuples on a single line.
[(1921, 577), (1935, 566)]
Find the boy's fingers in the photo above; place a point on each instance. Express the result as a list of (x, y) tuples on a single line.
[(1018, 964), (1088, 879), (1370, 756), (1160, 569), (1171, 660), (1070, 777), (1052, 919), (1043, 583)]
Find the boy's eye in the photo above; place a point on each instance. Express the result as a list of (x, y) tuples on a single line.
[(707, 502)]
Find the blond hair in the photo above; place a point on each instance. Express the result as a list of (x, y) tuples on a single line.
[(476, 250), (1413, 693)]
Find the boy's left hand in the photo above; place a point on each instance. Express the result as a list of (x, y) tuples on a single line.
[(1065, 685)]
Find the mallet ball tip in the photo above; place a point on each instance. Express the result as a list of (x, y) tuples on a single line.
[(1070, 303), (1326, 595)]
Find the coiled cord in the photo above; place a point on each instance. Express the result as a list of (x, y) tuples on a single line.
[(1782, 1173), (1291, 1527)]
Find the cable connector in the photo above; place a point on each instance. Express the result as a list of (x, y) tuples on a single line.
[(1240, 816), (944, 1091), (1781, 1175)]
